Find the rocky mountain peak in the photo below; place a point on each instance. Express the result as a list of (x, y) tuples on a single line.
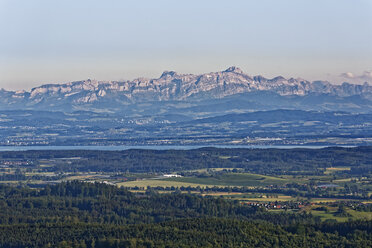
[(168, 73), (259, 78), (278, 78), (234, 69)]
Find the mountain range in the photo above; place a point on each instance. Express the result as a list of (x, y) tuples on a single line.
[(228, 91), (228, 107)]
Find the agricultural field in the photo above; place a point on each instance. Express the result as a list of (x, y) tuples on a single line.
[(331, 213), (232, 179), (145, 183), (332, 170)]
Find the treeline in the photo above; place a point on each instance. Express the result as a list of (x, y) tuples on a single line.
[(23, 177), (261, 161), (201, 232)]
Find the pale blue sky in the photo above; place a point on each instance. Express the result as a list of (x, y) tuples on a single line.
[(47, 41)]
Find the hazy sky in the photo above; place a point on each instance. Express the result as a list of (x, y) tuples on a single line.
[(47, 41)]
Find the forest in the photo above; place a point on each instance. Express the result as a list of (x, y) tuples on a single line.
[(206, 197), (261, 161), (79, 214)]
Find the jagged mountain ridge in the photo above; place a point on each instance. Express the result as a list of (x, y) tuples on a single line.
[(170, 86)]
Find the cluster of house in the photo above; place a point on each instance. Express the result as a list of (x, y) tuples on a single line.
[(278, 205), (171, 175), (6, 163)]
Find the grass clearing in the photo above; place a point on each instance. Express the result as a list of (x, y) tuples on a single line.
[(46, 165), (158, 183), (360, 215), (328, 200), (232, 179), (338, 168), (223, 194), (264, 199), (342, 180), (9, 182), (224, 157), (80, 177), (324, 216), (331, 170), (214, 169), (356, 215), (47, 174)]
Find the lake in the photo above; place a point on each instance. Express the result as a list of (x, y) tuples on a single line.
[(154, 147)]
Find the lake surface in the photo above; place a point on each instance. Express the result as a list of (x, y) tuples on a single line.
[(162, 147)]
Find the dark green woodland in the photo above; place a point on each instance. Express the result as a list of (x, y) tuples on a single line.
[(76, 214)]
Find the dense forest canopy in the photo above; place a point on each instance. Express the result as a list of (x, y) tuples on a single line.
[(261, 161), (76, 214)]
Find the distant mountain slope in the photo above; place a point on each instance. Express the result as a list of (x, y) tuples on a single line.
[(170, 86), (275, 127), (337, 119)]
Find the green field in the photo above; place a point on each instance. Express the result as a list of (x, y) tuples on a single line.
[(354, 215), (325, 216), (331, 170), (360, 215), (280, 198), (228, 179), (214, 169), (158, 183), (232, 179)]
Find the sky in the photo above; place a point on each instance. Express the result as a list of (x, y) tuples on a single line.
[(50, 41)]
